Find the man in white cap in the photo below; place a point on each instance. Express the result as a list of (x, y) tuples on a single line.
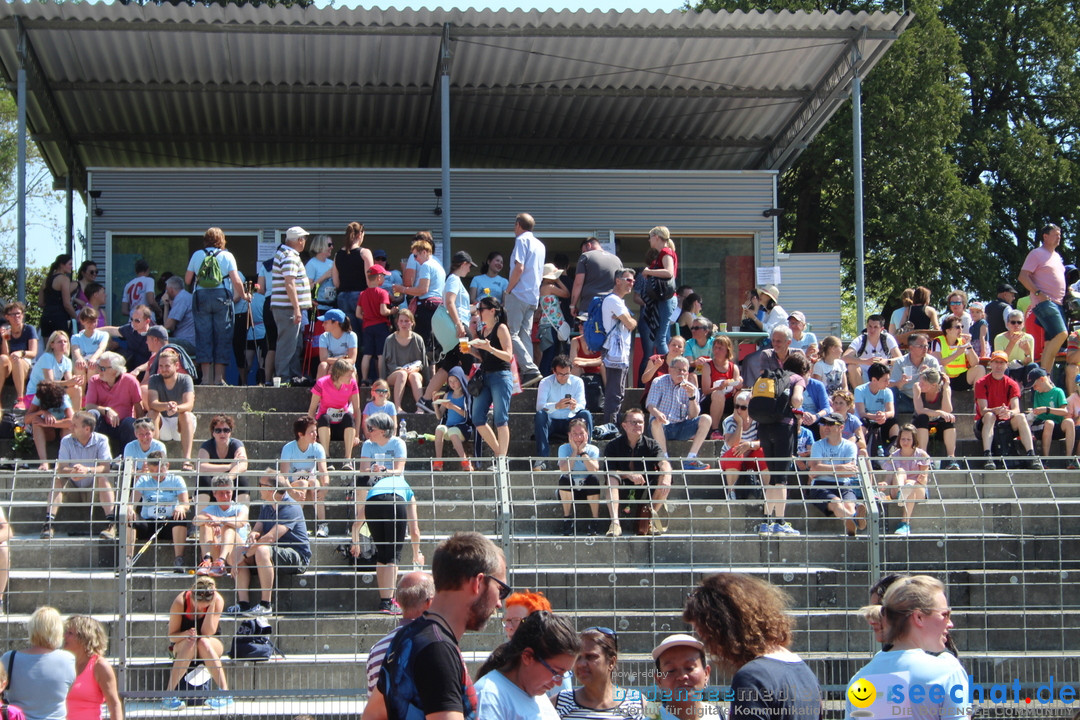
[(290, 296)]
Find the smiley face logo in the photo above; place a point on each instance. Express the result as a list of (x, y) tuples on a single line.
[(861, 693)]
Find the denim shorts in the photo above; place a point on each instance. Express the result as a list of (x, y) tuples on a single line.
[(498, 386), (1051, 317)]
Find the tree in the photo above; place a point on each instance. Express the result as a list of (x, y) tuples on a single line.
[(922, 225), (1019, 133)]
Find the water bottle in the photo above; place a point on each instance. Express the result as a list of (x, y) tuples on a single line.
[(401, 428)]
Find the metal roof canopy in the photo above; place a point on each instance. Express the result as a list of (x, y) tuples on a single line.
[(241, 86)]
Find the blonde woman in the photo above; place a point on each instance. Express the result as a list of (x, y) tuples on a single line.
[(41, 675), (95, 680)]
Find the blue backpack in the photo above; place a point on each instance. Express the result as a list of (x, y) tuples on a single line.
[(595, 335)]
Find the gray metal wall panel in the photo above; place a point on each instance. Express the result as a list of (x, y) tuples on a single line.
[(811, 282), (402, 200)]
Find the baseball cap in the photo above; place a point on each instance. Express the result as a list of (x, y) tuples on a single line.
[(832, 419), (798, 315), (295, 232), (677, 640), (461, 256), (377, 269), (380, 255), (999, 355), (159, 332), (1033, 375), (336, 315), (1006, 287)]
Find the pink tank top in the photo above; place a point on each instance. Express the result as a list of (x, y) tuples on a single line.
[(85, 698)]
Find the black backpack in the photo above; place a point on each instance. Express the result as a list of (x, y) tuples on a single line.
[(252, 641), (770, 397)]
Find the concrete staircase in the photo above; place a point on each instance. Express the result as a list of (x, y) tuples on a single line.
[(1005, 543)]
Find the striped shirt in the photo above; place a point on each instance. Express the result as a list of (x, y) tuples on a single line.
[(287, 262), (630, 707), (749, 433), (376, 655)]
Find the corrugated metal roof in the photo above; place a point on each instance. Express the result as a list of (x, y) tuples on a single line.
[(180, 86)]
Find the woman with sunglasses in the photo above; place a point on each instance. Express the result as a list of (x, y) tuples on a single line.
[(1019, 346), (221, 454), (953, 350), (494, 348), (744, 622), (86, 276), (194, 619), (957, 307), (388, 507), (598, 698), (18, 347), (514, 680), (915, 623)]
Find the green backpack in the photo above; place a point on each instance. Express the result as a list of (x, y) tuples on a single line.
[(209, 275)]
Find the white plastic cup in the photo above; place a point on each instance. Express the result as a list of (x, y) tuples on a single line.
[(277, 382)]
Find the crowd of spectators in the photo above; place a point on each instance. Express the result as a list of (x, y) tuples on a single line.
[(462, 353)]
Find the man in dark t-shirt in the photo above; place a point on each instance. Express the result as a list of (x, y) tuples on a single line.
[(278, 544), (423, 676), (634, 459), (135, 350)]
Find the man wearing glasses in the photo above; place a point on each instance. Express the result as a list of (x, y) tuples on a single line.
[(424, 673), (635, 460), (675, 413), (905, 371), (560, 398), (278, 543), (133, 335)]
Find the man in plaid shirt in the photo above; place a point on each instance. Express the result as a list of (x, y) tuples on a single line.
[(675, 413)]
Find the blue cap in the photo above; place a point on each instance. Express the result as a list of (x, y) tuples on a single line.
[(335, 315)]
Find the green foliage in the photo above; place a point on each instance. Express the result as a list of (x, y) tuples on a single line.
[(1019, 132), (970, 128), (9, 279)]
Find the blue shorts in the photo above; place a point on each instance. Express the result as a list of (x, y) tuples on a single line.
[(827, 491), (373, 339), (1051, 317), (682, 430)]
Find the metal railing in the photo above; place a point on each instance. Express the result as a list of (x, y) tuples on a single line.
[(1002, 541)]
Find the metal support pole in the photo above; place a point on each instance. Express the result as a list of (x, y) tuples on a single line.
[(444, 145), (856, 148), (69, 212), (20, 166)]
